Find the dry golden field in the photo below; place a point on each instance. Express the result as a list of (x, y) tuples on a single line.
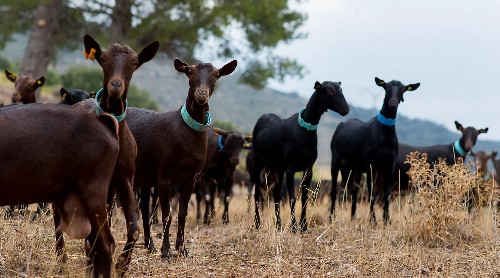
[(431, 235)]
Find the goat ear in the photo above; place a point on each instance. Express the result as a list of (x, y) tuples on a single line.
[(12, 77), (148, 52), (220, 131), (459, 126), (493, 154), (180, 66), (247, 146), (64, 93), (379, 81), (40, 82), (412, 87), (483, 130), (90, 44), (317, 85), (228, 68)]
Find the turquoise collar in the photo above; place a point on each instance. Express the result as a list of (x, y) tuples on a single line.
[(219, 142), (458, 148), (99, 110), (192, 123), (305, 125), (385, 121)]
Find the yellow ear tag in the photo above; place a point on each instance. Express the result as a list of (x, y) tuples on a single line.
[(90, 55), (409, 88), (381, 83), (39, 82), (63, 96), (12, 76)]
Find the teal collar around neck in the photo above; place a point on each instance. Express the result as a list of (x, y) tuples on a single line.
[(219, 143), (99, 110), (304, 124), (459, 148), (192, 123), (386, 121)]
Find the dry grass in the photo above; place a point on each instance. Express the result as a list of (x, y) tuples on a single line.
[(419, 242)]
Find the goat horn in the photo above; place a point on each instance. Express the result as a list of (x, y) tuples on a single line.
[(219, 131)]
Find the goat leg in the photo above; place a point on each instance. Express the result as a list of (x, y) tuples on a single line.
[(187, 190), (228, 184), (144, 204), (291, 195), (129, 207), (166, 216), (306, 184)]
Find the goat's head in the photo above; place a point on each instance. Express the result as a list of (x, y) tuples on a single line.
[(118, 63), (25, 87), (482, 161), (394, 91), (232, 143), (331, 97), (202, 78), (73, 96), (469, 136)]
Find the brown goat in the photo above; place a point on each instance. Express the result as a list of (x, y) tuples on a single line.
[(25, 87), (482, 163), (172, 147), (43, 167), (24, 92), (118, 63)]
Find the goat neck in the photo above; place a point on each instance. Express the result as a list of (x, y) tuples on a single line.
[(312, 113), (197, 111), (115, 106)]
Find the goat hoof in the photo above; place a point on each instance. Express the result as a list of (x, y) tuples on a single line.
[(150, 246), (303, 227), (165, 254), (122, 265), (183, 252)]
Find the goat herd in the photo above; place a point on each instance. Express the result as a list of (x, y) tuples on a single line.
[(80, 156)]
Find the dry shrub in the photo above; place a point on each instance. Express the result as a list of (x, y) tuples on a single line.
[(442, 195)]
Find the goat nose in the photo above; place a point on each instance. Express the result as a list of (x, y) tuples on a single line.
[(116, 83)]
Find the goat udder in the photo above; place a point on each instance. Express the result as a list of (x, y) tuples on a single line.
[(74, 219)]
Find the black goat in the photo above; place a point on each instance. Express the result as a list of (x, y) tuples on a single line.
[(290, 145), (71, 97), (223, 155), (368, 147), (448, 152)]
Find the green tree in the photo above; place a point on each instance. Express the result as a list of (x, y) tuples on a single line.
[(246, 30)]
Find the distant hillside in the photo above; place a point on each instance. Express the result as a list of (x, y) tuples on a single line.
[(243, 105)]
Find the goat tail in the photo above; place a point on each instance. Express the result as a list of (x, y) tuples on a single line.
[(110, 122)]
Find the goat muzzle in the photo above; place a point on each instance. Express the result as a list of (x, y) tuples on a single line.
[(201, 97), (16, 97)]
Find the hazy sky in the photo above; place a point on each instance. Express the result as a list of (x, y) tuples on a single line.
[(452, 47)]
